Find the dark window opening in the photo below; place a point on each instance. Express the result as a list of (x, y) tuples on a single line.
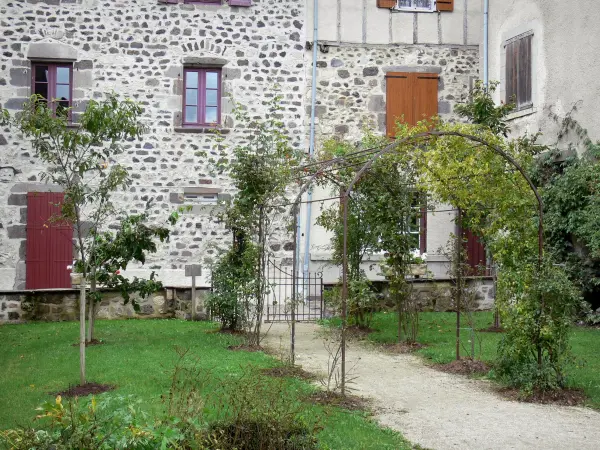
[(54, 83)]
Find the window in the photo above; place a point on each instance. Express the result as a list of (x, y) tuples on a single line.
[(416, 5), (203, 1), (518, 71), (54, 82), (202, 97), (411, 97)]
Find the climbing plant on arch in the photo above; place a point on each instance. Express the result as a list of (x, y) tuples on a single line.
[(485, 176)]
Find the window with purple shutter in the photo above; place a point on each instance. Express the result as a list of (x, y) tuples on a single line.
[(54, 82), (202, 97)]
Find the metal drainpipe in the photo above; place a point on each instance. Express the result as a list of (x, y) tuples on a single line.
[(312, 136), (486, 30)]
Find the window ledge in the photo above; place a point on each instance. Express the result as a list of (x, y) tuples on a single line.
[(522, 113), (73, 125), (198, 130)]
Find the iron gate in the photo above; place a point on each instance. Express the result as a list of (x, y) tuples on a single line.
[(280, 282)]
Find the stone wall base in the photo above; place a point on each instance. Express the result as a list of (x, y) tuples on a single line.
[(63, 305)]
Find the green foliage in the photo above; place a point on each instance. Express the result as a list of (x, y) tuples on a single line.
[(250, 412), (537, 309), (261, 170), (362, 301), (572, 212), (233, 283), (113, 252), (482, 110)]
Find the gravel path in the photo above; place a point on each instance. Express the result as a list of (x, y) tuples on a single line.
[(443, 411)]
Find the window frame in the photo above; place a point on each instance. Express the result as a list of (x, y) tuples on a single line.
[(432, 8), (201, 100), (52, 83)]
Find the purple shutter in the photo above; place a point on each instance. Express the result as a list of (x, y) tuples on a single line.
[(240, 2)]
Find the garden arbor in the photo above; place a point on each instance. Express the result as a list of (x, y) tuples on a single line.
[(468, 166)]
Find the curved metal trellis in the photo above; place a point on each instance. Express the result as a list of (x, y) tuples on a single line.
[(344, 205)]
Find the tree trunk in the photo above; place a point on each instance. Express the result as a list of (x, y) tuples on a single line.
[(82, 332)]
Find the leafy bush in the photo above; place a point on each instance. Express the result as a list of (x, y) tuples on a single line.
[(233, 282), (535, 352), (362, 301)]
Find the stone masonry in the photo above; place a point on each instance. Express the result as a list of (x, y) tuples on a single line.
[(138, 48), (351, 87)]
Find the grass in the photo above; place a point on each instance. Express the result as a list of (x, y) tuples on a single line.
[(39, 359), (438, 332)]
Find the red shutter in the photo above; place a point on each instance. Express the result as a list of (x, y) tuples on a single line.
[(445, 5), (49, 243), (476, 257), (512, 53), (386, 3), (399, 101), (240, 2), (426, 96)]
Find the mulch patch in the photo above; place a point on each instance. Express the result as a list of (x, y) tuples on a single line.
[(402, 347), (89, 343), (246, 348), (492, 329), (349, 402), (288, 371), (85, 390), (225, 331), (464, 367), (562, 397)]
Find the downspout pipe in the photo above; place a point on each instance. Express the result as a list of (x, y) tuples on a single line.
[(311, 150), (486, 31)]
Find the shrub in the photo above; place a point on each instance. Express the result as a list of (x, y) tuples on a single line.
[(533, 330), (362, 302)]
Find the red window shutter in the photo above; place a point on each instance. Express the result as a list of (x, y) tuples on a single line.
[(386, 3), (49, 244), (512, 53), (240, 2), (425, 92), (476, 257), (445, 5), (399, 100)]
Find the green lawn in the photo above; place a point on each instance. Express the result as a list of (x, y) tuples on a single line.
[(39, 358), (438, 332)]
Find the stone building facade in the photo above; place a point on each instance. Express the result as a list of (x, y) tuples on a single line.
[(140, 49), (361, 44)]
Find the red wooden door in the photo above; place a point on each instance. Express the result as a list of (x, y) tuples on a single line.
[(49, 243)]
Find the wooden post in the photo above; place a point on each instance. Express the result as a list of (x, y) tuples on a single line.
[(344, 290), (193, 270), (458, 279)]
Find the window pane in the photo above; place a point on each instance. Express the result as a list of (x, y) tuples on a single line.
[(211, 97), (425, 4), (212, 80), (211, 115), (191, 79), (405, 3), (63, 75), (191, 97), (41, 89), (62, 92), (41, 73), (191, 114), (62, 108)]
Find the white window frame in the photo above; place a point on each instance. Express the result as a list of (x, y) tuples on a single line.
[(432, 8)]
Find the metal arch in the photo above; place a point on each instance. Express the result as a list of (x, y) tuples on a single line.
[(496, 149)]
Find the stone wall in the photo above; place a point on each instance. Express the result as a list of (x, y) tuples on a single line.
[(351, 87), (138, 48), (63, 305)]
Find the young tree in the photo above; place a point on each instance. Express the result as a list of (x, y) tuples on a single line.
[(80, 159), (261, 170)]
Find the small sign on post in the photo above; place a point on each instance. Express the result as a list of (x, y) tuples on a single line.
[(193, 270)]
